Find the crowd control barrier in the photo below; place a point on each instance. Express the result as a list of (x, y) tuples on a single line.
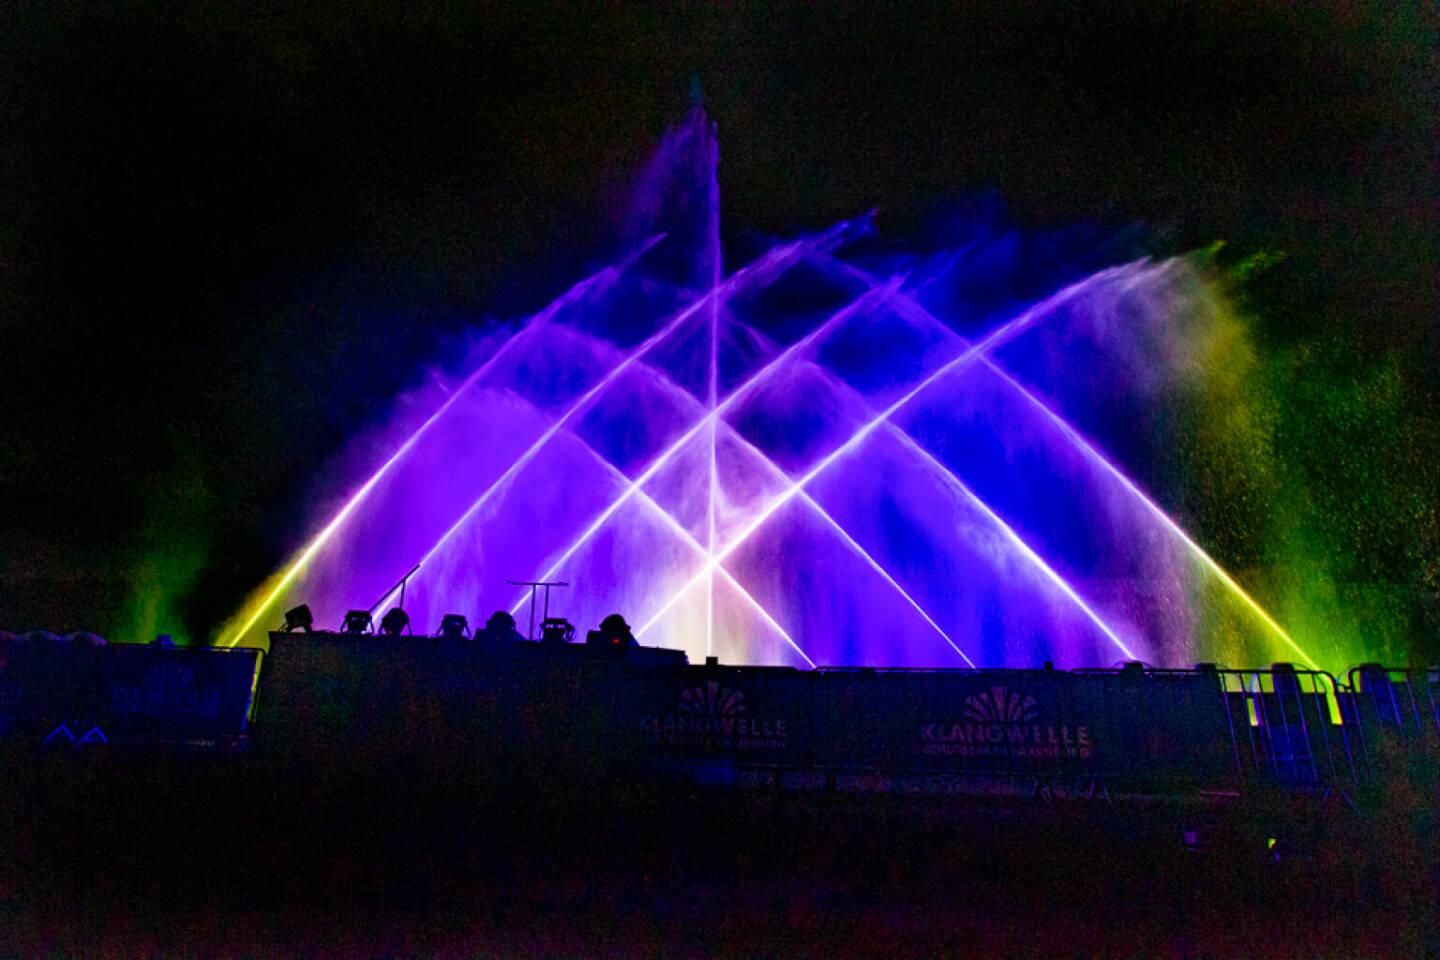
[(65, 692), (1206, 729)]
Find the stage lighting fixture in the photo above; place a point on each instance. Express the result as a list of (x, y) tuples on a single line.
[(358, 621), (556, 630), (395, 622), (612, 640), (298, 619), (499, 630), (454, 627)]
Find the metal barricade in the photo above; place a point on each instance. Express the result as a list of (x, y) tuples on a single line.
[(1160, 730), (945, 728), (1288, 727), (44, 689), (1140, 729), (1394, 705)]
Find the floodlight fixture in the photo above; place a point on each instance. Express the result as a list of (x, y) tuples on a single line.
[(556, 630), (358, 621), (299, 618), (395, 622), (454, 627), (500, 629)]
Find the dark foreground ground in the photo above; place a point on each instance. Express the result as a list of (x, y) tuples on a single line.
[(108, 855)]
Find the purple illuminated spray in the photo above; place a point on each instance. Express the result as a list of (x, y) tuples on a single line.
[(580, 406), (876, 420), (271, 592), (712, 568), (1286, 646), (749, 467)]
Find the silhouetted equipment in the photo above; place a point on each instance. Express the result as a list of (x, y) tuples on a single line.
[(616, 630), (613, 639), (532, 584), (500, 628), (162, 640), (556, 630), (299, 618), (395, 622), (454, 627), (399, 585)]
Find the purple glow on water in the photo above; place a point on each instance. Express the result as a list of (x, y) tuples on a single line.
[(798, 463)]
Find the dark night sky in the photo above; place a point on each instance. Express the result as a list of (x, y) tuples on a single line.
[(230, 233)]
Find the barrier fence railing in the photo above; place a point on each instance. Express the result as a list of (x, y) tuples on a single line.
[(1155, 730), (68, 692), (1392, 705), (1206, 727), (1132, 728), (1288, 726)]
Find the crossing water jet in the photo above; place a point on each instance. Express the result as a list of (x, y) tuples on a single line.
[(536, 323), (909, 305), (799, 462)]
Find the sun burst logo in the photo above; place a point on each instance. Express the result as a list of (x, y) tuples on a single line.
[(999, 705), (711, 699), (170, 676)]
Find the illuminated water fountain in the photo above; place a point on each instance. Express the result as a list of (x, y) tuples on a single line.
[(806, 460)]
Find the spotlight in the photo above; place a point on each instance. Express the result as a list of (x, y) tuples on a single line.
[(616, 630), (298, 619), (556, 630), (394, 622), (613, 639), (500, 629), (357, 621), (454, 627)]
